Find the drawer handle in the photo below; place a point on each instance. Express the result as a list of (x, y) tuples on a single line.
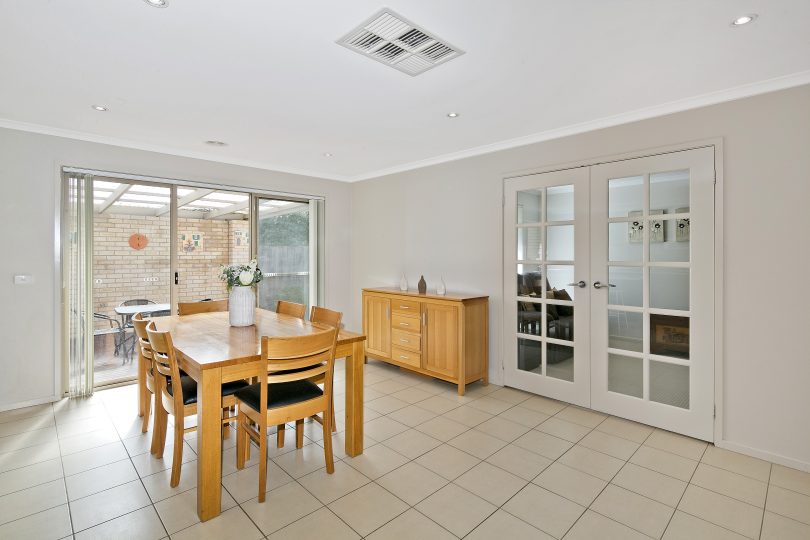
[(404, 307), (405, 340), (404, 324), (403, 357)]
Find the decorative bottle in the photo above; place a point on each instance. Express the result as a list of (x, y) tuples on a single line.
[(422, 285), (403, 283), (441, 290)]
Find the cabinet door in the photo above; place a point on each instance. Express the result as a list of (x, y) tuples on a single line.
[(441, 333), (377, 325)]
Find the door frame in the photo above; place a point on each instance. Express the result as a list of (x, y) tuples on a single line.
[(717, 144)]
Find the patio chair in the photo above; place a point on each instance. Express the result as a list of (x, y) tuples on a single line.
[(127, 343)]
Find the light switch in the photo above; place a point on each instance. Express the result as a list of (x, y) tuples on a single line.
[(23, 279)]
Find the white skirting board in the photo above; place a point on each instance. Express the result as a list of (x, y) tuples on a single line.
[(761, 454), (30, 403)]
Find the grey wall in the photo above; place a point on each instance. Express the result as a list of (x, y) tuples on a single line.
[(446, 220), (29, 165)]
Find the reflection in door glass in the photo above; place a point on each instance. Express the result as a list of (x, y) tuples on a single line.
[(529, 280), (669, 190), (560, 203), (560, 240), (626, 375), (530, 317), (624, 241), (530, 243), (530, 206), (283, 252), (669, 288), (669, 384), (625, 195), (625, 330), (560, 362), (560, 322), (628, 286), (669, 336), (530, 355)]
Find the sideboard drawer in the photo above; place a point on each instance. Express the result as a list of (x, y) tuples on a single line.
[(405, 306), (406, 322), (406, 357), (406, 340)]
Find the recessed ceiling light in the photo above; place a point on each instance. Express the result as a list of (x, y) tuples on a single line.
[(452, 115), (100, 108), (328, 154), (743, 20), (158, 3), (216, 143)]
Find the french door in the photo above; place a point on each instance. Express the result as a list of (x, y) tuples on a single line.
[(644, 345)]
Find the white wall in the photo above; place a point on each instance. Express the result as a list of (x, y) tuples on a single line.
[(446, 220), (29, 172)]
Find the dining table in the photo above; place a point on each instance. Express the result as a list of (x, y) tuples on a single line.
[(213, 352)]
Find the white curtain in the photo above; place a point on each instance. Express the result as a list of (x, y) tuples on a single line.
[(77, 272)]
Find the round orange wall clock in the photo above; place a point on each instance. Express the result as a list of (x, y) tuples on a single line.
[(138, 241)]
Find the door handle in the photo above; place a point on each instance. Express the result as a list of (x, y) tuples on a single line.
[(177, 278), (581, 284), (600, 285)]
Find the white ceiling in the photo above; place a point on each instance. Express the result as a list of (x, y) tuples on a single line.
[(267, 77)]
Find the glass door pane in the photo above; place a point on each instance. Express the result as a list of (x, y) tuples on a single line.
[(285, 252)]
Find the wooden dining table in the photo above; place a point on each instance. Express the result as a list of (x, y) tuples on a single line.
[(212, 352)]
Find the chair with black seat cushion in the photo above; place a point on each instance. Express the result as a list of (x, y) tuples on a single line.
[(286, 393), (178, 395)]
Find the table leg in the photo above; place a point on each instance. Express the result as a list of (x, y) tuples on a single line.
[(209, 443), (142, 392), (354, 399)]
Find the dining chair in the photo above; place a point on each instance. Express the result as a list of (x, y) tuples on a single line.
[(178, 395), (291, 308), (144, 366), (205, 306), (286, 392), (127, 343)]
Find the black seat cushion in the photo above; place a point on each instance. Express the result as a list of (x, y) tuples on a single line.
[(279, 394), (189, 386)]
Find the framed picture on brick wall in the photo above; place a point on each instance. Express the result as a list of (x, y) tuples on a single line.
[(191, 242)]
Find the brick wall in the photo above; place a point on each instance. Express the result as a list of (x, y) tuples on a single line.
[(122, 273)]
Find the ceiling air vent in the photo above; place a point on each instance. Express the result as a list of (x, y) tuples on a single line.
[(395, 41)]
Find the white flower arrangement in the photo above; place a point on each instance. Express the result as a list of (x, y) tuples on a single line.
[(241, 275)]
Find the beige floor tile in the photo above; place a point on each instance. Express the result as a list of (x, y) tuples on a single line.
[(776, 527), (383, 428), (386, 404), (442, 428), (95, 457), (281, 507), (232, 523), (412, 415), (731, 484), (26, 412), (301, 461), (143, 524), (636, 511), (738, 463), (504, 525), (318, 525), (368, 508), (477, 443), (30, 476), (664, 462), (107, 505), (503, 429), (626, 429), (330, 487), (592, 462), (490, 405), (544, 444), (29, 456), (85, 441), (510, 395), (456, 509), (412, 483), (688, 527), (729, 513), (525, 417), (570, 483), (447, 461), (20, 504), (656, 486), (389, 386), (545, 510), (491, 483), (85, 425), (147, 464), (583, 417), (676, 444), (469, 416), (412, 395), (791, 479), (180, 511), (27, 439), (438, 404), (101, 478), (52, 524), (609, 444), (26, 425), (789, 504), (592, 525), (412, 525), (412, 443), (543, 405), (377, 461), (519, 461), (563, 429), (339, 444), (244, 485)]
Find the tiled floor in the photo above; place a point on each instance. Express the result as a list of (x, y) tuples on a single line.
[(494, 464)]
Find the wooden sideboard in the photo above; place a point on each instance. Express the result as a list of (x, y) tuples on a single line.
[(442, 336)]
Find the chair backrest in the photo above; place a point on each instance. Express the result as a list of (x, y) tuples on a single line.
[(136, 302), (325, 316), (145, 349), (164, 360), (299, 358), (291, 308), (206, 306)]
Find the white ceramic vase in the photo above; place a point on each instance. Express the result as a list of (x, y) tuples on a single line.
[(403, 283), (441, 290), (242, 306)]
